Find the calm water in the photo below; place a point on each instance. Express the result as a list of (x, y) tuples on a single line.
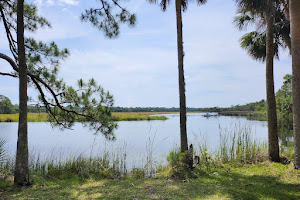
[(132, 136)]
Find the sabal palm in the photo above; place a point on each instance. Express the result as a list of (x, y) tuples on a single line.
[(180, 5), (295, 35), (255, 42), (264, 10)]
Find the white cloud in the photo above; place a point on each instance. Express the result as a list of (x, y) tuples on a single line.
[(50, 2), (69, 2), (39, 3), (140, 67)]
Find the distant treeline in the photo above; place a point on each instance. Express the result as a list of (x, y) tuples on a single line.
[(151, 109), (256, 106)]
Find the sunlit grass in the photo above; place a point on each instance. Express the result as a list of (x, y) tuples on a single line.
[(124, 116), (261, 181), (137, 116), (32, 117)]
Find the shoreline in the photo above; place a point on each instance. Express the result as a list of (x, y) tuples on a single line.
[(122, 116)]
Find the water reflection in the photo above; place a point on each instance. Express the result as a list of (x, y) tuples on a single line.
[(132, 136), (285, 137)]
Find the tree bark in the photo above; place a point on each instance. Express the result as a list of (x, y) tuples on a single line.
[(271, 102), (183, 132), (295, 35), (21, 176)]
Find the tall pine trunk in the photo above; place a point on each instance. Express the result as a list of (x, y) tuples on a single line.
[(183, 133), (271, 102), (295, 35), (21, 168)]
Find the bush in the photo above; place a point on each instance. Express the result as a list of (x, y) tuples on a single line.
[(179, 163)]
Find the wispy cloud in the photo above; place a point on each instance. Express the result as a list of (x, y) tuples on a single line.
[(69, 2), (50, 2), (140, 67)]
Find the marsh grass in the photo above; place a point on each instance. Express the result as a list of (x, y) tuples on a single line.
[(151, 147), (43, 117), (32, 117), (237, 145), (106, 164), (137, 116)]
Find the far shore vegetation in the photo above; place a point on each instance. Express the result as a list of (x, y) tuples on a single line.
[(43, 117)]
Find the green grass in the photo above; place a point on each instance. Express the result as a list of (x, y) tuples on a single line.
[(42, 117), (137, 116), (260, 181), (32, 117)]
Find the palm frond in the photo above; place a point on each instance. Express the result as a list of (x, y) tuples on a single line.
[(184, 3), (255, 44), (163, 3), (201, 2), (254, 6), (243, 20)]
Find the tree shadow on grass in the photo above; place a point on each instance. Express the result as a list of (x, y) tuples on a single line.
[(239, 186), (229, 185)]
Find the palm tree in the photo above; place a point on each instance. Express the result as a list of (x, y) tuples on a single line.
[(180, 5), (255, 41), (265, 11), (295, 35)]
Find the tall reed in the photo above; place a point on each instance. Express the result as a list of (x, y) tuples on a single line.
[(237, 145)]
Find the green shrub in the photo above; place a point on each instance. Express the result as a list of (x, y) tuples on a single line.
[(179, 163)]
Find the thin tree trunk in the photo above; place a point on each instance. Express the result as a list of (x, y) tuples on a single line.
[(183, 133), (21, 168), (295, 35), (271, 102)]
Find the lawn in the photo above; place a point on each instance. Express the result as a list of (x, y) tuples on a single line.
[(259, 181)]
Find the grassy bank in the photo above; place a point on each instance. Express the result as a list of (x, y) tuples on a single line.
[(237, 170), (137, 116), (32, 117), (261, 116), (261, 181), (42, 117)]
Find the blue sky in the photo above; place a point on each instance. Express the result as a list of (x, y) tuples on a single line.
[(140, 67)]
